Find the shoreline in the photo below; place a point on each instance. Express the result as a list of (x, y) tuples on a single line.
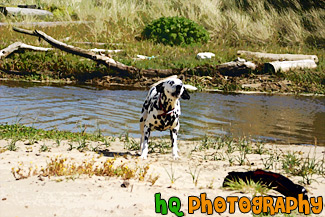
[(132, 87)]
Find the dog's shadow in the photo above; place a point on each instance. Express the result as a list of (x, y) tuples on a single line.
[(108, 153)]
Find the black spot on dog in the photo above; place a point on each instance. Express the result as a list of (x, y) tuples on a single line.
[(160, 88), (141, 119)]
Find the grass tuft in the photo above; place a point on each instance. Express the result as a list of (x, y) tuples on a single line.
[(247, 186)]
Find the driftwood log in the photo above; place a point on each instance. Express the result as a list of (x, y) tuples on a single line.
[(236, 67), (276, 57), (22, 46), (121, 68), (19, 46), (25, 11), (285, 66)]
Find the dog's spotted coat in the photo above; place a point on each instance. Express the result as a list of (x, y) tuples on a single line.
[(161, 111)]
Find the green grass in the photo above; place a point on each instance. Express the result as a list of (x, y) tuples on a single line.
[(237, 150), (155, 146), (20, 132), (248, 186)]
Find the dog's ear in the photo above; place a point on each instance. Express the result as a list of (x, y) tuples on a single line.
[(160, 88), (185, 94)]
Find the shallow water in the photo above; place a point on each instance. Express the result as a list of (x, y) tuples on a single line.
[(293, 119)]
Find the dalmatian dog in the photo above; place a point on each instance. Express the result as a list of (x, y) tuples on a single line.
[(161, 111)]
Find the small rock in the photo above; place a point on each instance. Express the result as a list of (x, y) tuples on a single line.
[(205, 55)]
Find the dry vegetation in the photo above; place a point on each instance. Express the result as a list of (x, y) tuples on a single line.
[(266, 21)]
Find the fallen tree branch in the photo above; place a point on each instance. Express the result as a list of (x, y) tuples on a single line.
[(21, 46), (105, 60), (276, 57), (24, 31), (18, 46)]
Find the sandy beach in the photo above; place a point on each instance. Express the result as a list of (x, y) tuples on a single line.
[(108, 196)]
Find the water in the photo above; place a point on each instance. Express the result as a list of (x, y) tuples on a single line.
[(293, 119)]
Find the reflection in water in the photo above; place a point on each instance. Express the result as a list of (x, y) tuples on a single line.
[(277, 118)]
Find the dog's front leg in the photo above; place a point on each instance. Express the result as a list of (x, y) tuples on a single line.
[(173, 137), (144, 140)]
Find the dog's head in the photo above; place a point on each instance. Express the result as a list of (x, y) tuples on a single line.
[(173, 88)]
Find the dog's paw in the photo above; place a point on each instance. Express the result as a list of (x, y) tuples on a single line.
[(143, 156), (176, 157)]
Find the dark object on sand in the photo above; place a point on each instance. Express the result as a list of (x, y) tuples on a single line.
[(272, 180)]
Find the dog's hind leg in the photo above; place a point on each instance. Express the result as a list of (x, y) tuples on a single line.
[(142, 133), (144, 142), (173, 137)]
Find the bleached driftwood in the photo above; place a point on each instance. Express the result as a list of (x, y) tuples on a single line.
[(236, 67), (101, 59), (276, 57), (97, 50), (21, 46), (26, 11), (45, 23), (18, 46), (285, 66)]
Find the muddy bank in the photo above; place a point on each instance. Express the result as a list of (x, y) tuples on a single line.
[(250, 83)]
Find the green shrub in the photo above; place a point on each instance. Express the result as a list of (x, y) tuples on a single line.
[(175, 31)]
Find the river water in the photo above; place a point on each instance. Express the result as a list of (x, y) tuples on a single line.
[(282, 119)]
